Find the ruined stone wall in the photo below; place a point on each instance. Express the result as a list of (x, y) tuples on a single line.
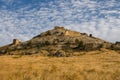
[(66, 32), (15, 42), (72, 33), (57, 27)]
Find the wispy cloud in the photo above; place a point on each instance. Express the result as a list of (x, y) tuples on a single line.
[(101, 18)]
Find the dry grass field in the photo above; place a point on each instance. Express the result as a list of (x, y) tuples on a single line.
[(94, 65)]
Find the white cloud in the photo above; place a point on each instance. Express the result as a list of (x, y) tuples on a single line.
[(8, 2), (83, 16)]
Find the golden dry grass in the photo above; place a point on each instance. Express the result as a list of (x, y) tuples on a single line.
[(91, 66)]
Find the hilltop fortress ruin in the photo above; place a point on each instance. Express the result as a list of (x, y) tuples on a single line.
[(58, 42), (68, 32), (59, 31), (15, 42)]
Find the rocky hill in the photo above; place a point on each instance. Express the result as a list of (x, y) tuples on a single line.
[(58, 42)]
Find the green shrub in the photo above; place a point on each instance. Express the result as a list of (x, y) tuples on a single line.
[(81, 45)]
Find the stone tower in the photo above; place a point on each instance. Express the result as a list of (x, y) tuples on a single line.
[(15, 42)]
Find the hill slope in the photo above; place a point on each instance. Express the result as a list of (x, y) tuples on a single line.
[(58, 42)]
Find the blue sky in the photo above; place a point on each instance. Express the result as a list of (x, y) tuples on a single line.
[(24, 19)]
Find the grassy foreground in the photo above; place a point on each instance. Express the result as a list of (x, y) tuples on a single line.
[(91, 66)]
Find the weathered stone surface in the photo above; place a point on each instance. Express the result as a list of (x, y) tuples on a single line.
[(15, 42), (71, 33)]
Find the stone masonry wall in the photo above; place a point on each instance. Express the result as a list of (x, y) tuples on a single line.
[(71, 33)]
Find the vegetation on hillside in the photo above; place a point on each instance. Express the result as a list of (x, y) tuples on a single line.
[(58, 42)]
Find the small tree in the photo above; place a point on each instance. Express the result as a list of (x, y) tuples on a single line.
[(81, 45), (90, 35), (77, 41)]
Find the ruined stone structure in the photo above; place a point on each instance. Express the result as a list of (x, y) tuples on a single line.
[(57, 27), (15, 42), (71, 33), (66, 32), (84, 34), (58, 42)]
